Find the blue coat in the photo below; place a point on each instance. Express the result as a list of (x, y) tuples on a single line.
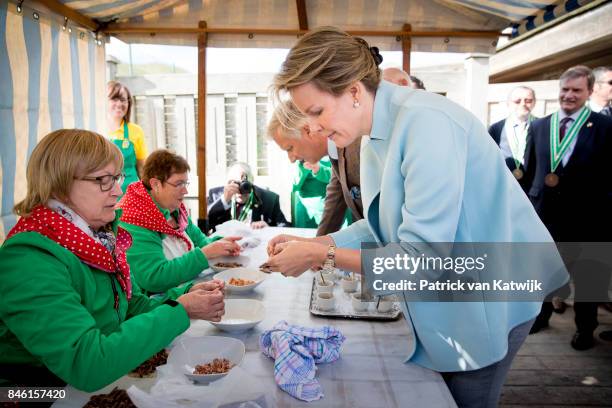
[(430, 172)]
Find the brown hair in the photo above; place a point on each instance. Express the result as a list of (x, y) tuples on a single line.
[(58, 159), (162, 164), (113, 89), (332, 60), (579, 71)]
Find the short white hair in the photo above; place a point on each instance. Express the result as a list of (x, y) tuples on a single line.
[(244, 167)]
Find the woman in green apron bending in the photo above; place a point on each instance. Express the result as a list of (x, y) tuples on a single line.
[(128, 136)]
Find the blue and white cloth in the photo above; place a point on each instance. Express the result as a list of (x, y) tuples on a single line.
[(296, 350)]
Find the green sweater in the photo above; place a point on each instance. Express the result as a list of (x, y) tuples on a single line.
[(150, 268), (58, 312)]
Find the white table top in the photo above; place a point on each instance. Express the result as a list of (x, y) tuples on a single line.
[(370, 372)]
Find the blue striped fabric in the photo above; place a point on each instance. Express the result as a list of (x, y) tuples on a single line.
[(296, 350), (548, 14), (55, 95), (77, 95), (31, 31), (121, 9), (31, 102), (7, 140)]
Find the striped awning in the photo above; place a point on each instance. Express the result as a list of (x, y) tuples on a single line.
[(423, 15), (52, 70), (50, 78)]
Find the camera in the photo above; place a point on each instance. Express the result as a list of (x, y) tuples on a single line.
[(244, 186)]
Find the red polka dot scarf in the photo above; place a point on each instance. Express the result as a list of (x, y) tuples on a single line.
[(139, 209), (57, 228)]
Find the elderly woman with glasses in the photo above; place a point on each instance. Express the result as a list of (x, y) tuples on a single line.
[(168, 250), (70, 312)]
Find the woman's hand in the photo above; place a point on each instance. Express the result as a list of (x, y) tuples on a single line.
[(223, 247), (203, 305), (279, 239), (293, 258), (209, 286)]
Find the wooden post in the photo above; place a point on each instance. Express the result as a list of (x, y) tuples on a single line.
[(406, 46), (201, 154), (300, 5)]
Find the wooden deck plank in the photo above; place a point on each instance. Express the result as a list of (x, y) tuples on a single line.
[(548, 372)]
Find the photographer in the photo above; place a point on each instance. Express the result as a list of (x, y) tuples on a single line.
[(241, 200)]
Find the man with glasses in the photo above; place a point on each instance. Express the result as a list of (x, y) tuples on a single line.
[(510, 134), (601, 99)]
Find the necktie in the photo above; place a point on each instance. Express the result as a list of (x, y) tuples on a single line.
[(563, 128)]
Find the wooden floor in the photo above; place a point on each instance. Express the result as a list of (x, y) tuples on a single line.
[(548, 372)]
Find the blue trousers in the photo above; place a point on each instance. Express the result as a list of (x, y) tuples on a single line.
[(481, 388)]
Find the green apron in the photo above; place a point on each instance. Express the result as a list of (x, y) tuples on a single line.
[(308, 196), (129, 158)]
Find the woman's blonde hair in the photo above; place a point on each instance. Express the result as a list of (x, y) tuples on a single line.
[(330, 59), (293, 130), (58, 159)]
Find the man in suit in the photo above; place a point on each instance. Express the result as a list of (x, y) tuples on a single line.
[(571, 193), (343, 190), (510, 134), (602, 91), (241, 200)]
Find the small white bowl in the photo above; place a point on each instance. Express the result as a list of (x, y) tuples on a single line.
[(191, 351), (326, 301), (327, 274), (349, 285), (360, 303), (225, 259), (241, 315), (327, 287), (241, 273), (385, 305)]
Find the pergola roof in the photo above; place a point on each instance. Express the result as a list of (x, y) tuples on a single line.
[(436, 25)]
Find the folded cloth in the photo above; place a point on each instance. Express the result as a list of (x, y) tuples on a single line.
[(295, 351), (250, 242)]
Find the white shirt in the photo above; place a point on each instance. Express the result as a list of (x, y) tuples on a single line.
[(570, 148), (513, 140), (332, 150)]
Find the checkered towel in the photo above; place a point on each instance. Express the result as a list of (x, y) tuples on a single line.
[(295, 351)]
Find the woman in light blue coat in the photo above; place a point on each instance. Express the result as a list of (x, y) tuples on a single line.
[(429, 174)]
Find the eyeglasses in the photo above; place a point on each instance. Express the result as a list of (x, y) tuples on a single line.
[(180, 184), (119, 99), (106, 182), (526, 100)]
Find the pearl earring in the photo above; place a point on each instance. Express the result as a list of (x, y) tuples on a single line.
[(355, 104)]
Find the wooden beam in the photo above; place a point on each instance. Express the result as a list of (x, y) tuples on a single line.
[(302, 15), (72, 15), (255, 31), (201, 149), (406, 48)]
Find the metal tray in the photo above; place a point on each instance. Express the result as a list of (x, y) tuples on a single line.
[(344, 309)]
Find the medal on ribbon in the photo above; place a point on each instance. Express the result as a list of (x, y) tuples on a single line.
[(516, 151), (559, 147), (245, 209)]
